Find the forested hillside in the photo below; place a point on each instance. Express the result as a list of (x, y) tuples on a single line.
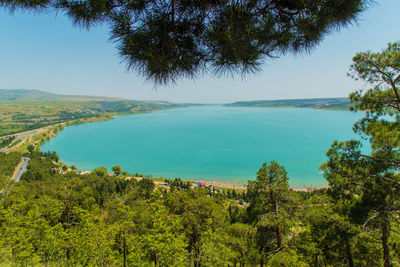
[(96, 219)]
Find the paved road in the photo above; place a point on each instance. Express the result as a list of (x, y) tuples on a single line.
[(21, 136), (34, 131), (28, 132), (21, 169)]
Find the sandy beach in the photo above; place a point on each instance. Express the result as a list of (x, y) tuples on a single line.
[(228, 185)]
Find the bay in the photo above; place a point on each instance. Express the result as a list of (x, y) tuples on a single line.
[(209, 142)]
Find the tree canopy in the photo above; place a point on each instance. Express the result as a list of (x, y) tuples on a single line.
[(368, 183), (167, 40)]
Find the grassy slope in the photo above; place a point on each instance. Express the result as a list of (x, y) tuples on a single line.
[(22, 110)]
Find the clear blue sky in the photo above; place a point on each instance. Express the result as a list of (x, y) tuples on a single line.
[(46, 52)]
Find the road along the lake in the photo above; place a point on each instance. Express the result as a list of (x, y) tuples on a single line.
[(21, 168)]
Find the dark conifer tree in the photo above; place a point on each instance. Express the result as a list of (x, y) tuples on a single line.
[(167, 40)]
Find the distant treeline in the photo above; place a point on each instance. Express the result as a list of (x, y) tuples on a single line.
[(134, 106), (6, 141), (320, 103)]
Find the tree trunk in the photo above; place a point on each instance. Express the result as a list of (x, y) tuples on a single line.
[(68, 253), (395, 92), (195, 251), (348, 253), (385, 243), (278, 236), (68, 226), (125, 253), (155, 259), (278, 229), (198, 264)]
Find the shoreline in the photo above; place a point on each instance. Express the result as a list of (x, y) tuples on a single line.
[(215, 183), (226, 185), (237, 186), (40, 136)]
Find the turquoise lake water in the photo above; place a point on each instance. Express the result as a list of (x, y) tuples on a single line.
[(209, 142)]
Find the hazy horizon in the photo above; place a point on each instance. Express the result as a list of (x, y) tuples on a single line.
[(94, 95)]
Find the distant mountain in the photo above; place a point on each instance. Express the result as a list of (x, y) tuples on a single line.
[(100, 104), (23, 95), (320, 103)]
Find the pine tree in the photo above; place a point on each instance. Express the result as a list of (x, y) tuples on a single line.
[(370, 183), (269, 195), (168, 40)]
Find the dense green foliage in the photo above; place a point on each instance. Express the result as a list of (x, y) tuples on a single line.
[(6, 141), (167, 40), (54, 218), (8, 162)]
